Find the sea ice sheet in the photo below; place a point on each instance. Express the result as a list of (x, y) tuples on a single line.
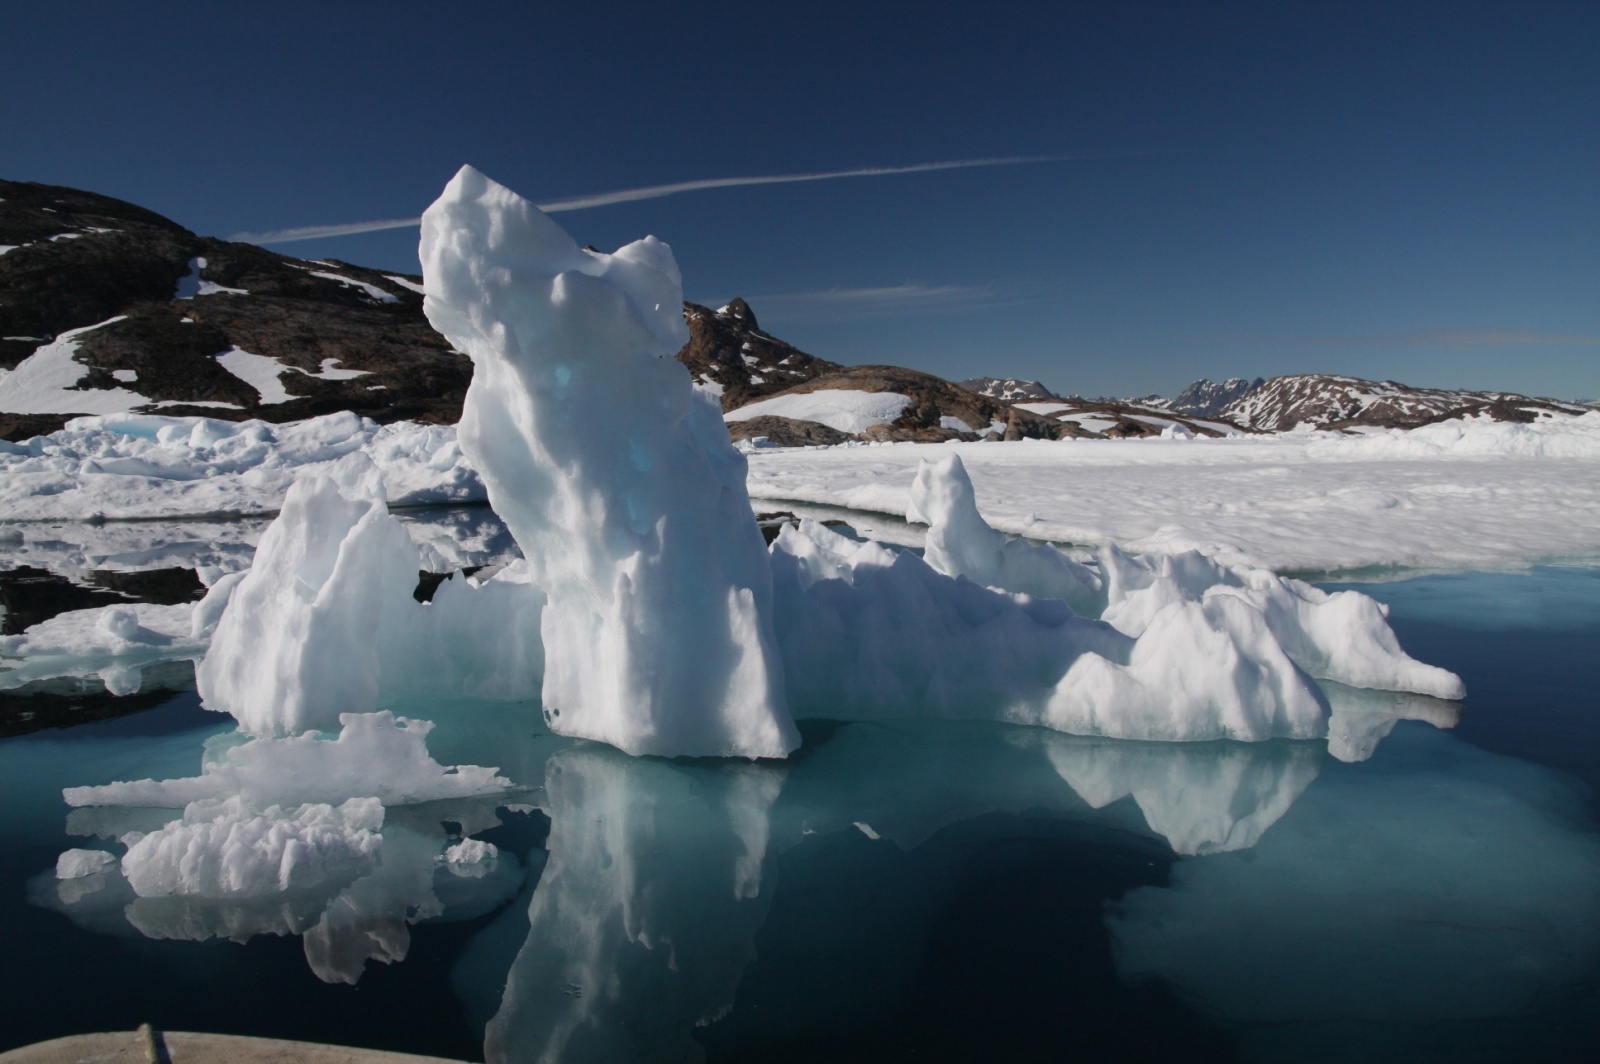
[(1456, 495)]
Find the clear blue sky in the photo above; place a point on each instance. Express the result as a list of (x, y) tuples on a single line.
[(1403, 190)]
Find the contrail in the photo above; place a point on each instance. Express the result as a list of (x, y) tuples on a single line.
[(631, 195)]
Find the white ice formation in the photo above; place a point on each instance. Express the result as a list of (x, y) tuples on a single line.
[(647, 613), (1343, 636), (324, 623), (375, 755), (616, 478), (961, 543), (114, 642), (224, 848), (871, 633), (150, 466)]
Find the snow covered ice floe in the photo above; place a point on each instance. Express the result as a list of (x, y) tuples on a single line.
[(122, 466), (1454, 495), (1187, 650), (291, 836), (615, 476), (374, 755), (114, 642)]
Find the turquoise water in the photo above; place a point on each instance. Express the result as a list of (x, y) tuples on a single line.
[(928, 891)]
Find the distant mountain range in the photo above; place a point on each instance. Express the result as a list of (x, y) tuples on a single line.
[(108, 307), (1332, 402)]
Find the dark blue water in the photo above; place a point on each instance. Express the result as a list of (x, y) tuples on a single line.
[(930, 892)]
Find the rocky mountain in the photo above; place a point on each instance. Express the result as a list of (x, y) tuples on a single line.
[(1124, 419), (105, 306), (729, 355), (1332, 402), (1008, 389), (885, 403), (1206, 398)]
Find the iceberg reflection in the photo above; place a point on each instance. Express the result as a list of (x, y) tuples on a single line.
[(647, 911), (659, 877), (1437, 883)]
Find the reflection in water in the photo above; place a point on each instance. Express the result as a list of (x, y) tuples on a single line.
[(1200, 797), (1434, 882), (1439, 883), (647, 912)]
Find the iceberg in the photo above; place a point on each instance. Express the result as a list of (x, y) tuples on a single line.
[(870, 633), (961, 543), (614, 475), (324, 622), (1342, 636)]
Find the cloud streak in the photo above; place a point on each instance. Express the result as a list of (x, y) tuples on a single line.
[(648, 192), (849, 304)]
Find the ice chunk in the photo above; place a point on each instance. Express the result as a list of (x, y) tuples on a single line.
[(961, 543), (616, 478), (472, 858), (298, 643), (75, 864), (871, 633), (223, 848), (374, 755), (1342, 636)]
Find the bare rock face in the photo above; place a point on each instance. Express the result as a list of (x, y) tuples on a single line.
[(1333, 402), (343, 337), (787, 432), (728, 353)]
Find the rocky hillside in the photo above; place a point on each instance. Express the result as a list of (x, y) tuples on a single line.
[(729, 355), (1008, 389), (885, 403), (105, 306), (1332, 402), (1119, 419), (1205, 398)]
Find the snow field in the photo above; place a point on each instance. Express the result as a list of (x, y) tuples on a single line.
[(843, 409), (1471, 495)]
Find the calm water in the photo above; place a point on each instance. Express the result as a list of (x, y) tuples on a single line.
[(929, 892)]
